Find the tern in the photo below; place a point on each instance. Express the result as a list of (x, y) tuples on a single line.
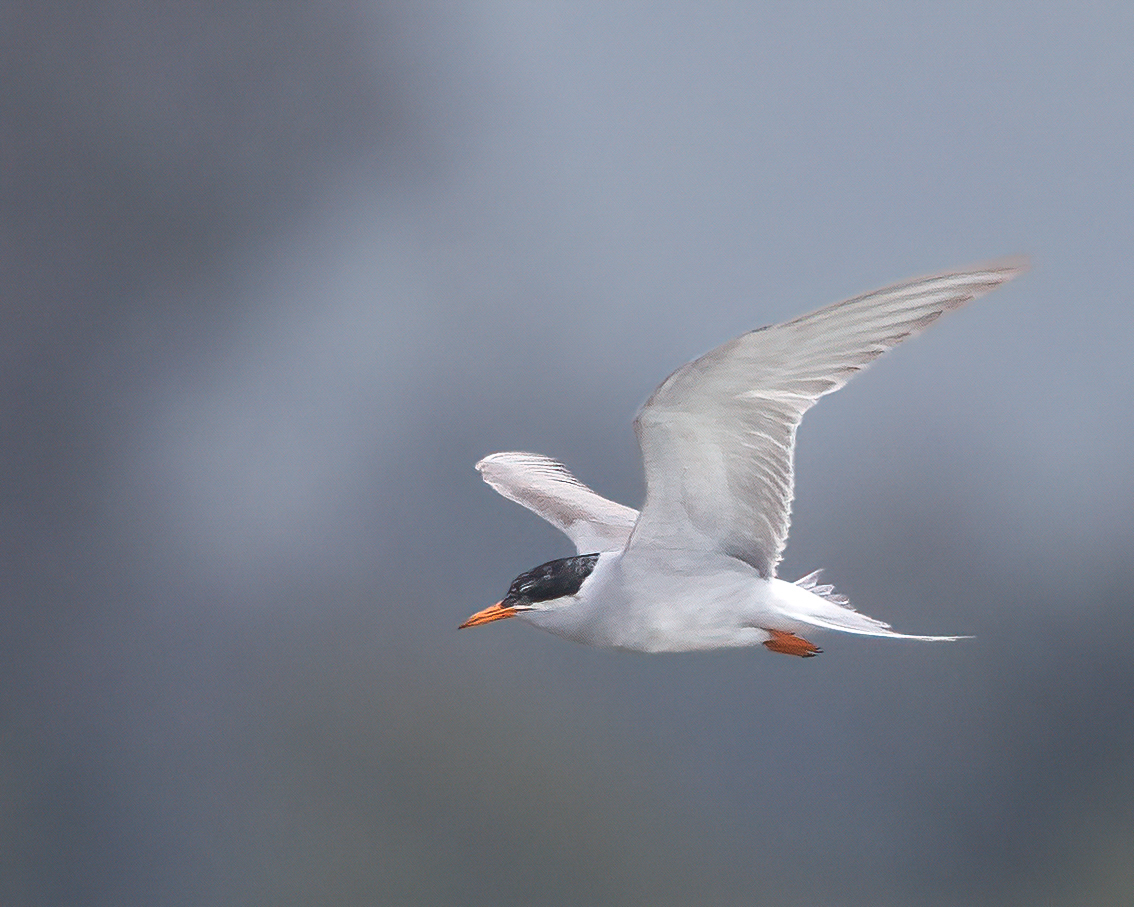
[(696, 568)]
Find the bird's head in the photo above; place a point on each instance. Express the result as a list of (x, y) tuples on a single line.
[(542, 588)]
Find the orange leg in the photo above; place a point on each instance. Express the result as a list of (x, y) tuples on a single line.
[(790, 644)]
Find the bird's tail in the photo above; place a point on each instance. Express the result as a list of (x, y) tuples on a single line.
[(822, 606)]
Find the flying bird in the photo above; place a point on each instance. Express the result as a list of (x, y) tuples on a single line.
[(695, 569)]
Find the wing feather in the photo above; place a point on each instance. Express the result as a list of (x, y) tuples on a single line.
[(717, 436), (547, 488)]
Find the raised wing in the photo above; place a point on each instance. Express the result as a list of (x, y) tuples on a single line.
[(717, 436), (545, 487)]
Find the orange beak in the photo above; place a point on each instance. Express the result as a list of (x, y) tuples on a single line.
[(488, 615)]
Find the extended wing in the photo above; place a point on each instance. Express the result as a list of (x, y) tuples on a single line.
[(546, 488), (717, 436)]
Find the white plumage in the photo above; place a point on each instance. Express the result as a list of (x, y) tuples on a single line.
[(544, 486), (696, 569)]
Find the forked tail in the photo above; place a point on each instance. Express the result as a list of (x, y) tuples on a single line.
[(819, 605)]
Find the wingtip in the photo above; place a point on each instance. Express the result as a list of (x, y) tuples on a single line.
[(1004, 268), (1017, 264), (484, 462), (1009, 265)]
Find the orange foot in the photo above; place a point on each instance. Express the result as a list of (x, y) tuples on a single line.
[(790, 644)]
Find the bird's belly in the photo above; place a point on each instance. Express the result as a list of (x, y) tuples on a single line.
[(685, 605)]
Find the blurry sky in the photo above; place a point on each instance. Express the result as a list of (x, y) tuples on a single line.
[(274, 277)]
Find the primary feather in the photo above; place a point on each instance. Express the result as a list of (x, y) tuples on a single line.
[(546, 487)]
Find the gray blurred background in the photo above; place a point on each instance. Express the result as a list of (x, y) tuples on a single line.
[(273, 277)]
